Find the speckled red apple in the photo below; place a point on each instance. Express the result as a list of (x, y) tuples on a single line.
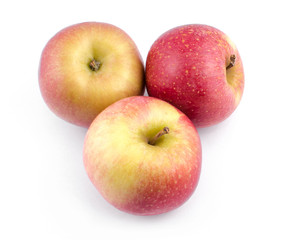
[(86, 67), (197, 69), (143, 155)]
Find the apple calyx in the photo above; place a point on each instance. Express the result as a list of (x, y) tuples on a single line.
[(232, 61), (164, 131), (94, 65)]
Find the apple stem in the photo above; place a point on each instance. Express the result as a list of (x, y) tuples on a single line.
[(232, 61), (94, 65), (164, 131)]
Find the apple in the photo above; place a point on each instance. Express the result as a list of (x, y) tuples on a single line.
[(86, 67), (143, 155), (198, 69)]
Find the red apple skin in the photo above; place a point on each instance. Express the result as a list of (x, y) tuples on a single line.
[(71, 89), (186, 66), (132, 175)]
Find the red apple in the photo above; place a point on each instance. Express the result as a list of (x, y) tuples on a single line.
[(197, 69), (86, 67), (143, 155)]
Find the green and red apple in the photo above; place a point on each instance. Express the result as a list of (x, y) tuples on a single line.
[(86, 67), (198, 69), (143, 155)]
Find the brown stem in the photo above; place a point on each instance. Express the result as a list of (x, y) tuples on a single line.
[(232, 61), (164, 131), (94, 65)]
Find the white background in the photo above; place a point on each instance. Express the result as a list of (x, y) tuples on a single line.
[(247, 188)]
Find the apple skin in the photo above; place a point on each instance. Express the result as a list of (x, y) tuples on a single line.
[(69, 86), (137, 177), (186, 66)]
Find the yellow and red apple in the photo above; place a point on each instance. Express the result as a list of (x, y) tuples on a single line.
[(143, 155), (86, 67), (198, 69)]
